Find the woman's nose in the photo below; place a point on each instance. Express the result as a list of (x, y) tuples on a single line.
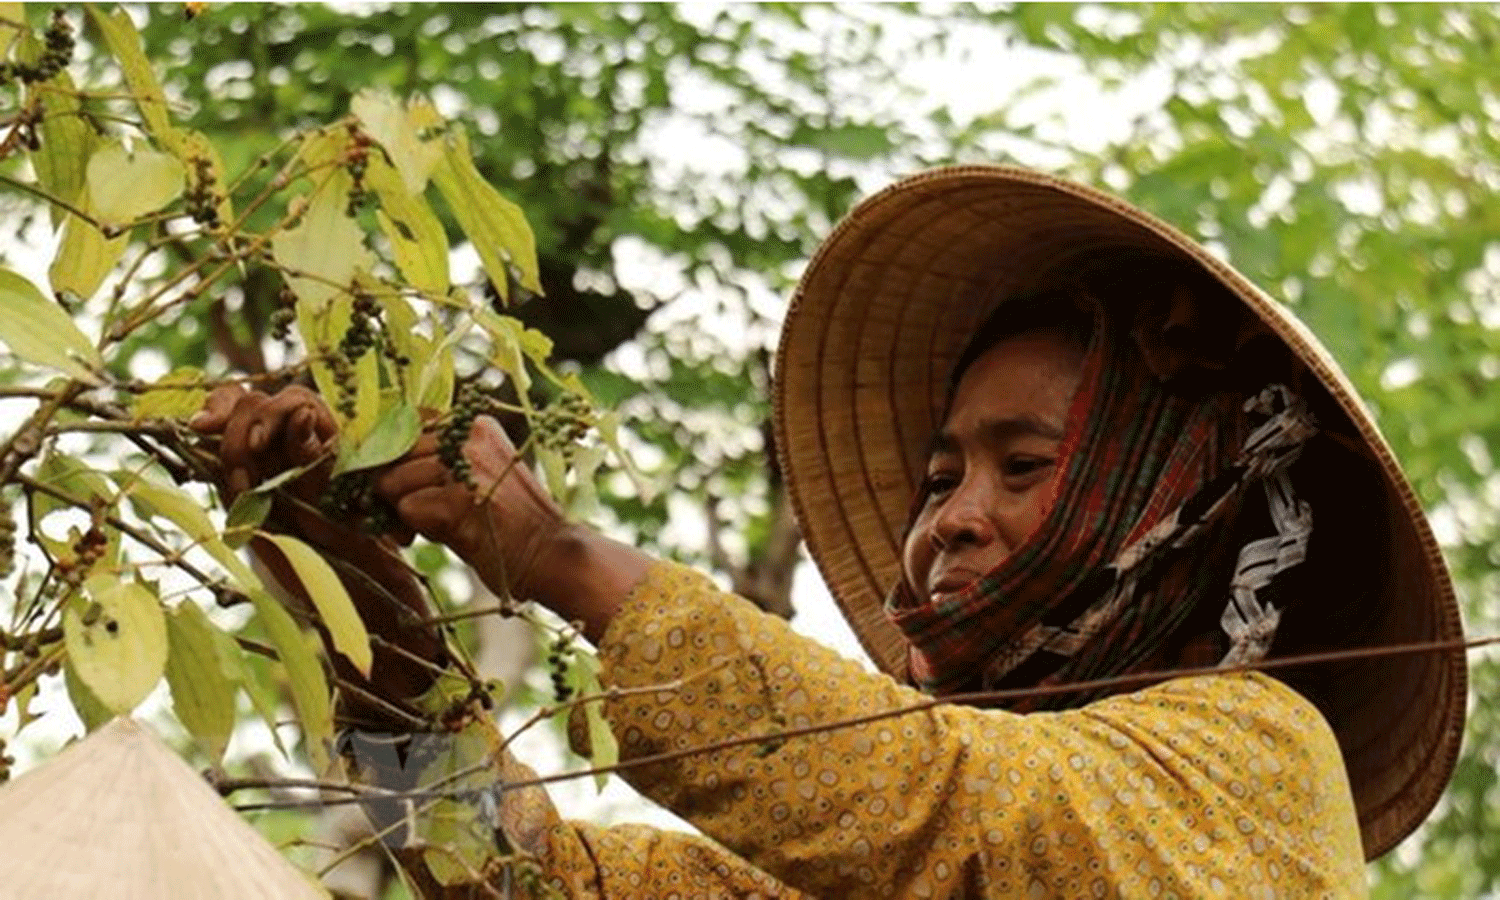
[(965, 518)]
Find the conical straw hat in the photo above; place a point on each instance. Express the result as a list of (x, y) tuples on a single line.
[(883, 311), (119, 815)]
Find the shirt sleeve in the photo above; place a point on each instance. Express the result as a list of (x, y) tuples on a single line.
[(1224, 785), (624, 862)]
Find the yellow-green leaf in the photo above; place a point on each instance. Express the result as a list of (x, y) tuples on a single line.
[(122, 40), (121, 653), (603, 750), (405, 341), (14, 17), (177, 395), (127, 184), (458, 831), (181, 509), (67, 143), (327, 593), (39, 331), (202, 695), (583, 495), (304, 675), (76, 479), (432, 389), (399, 129), (394, 433), (91, 712), (419, 246), (496, 226), (85, 257), (239, 670), (245, 515), (511, 344), (326, 245), (554, 470), (608, 428)]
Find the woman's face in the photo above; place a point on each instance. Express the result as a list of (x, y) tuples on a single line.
[(990, 471)]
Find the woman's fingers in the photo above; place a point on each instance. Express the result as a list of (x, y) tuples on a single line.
[(434, 511), (240, 432), (426, 445), (265, 434), (410, 475), (216, 409)]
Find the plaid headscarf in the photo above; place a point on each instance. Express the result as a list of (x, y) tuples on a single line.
[(1137, 545)]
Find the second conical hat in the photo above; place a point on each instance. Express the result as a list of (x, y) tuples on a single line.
[(120, 815)]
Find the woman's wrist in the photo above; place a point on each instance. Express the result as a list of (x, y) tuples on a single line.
[(584, 576)]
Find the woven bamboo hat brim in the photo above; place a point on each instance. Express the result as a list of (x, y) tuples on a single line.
[(881, 315), (119, 815)]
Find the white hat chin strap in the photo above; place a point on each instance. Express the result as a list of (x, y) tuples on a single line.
[(1249, 621)]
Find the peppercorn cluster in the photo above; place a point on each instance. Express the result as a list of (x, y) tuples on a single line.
[(6, 761), (55, 57), (562, 423), (559, 657), (345, 382), (202, 199), (358, 163), (285, 315), (363, 330), (71, 572), (7, 540), (472, 402), (363, 333), (350, 497)]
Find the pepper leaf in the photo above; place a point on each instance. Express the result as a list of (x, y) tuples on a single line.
[(202, 694), (177, 395), (39, 331), (393, 434), (125, 185), (304, 674), (495, 226), (327, 593), (122, 40), (583, 676), (67, 142), (121, 652), (187, 513)]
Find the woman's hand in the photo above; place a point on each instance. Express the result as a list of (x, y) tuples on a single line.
[(504, 524), (500, 521), (261, 436)]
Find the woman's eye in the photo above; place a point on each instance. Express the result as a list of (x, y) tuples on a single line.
[(938, 483), (1022, 466)]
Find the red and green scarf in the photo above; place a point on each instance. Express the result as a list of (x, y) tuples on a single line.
[(1128, 571)]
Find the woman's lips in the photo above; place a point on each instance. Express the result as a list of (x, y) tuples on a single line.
[(953, 581)]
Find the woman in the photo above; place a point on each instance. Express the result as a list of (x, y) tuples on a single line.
[(1125, 461)]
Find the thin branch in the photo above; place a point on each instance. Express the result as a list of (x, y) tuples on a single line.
[(975, 698), (167, 553), (227, 786), (382, 702), (43, 195)]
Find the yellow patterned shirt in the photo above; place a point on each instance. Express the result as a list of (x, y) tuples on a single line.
[(1215, 786)]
